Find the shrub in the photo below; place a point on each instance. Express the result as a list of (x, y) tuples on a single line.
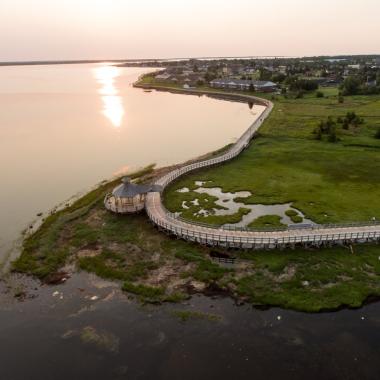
[(302, 84), (351, 86), (319, 94), (332, 137), (377, 134)]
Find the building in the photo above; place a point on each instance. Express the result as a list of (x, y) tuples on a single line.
[(192, 79), (163, 77), (128, 197), (232, 84), (264, 86), (244, 85)]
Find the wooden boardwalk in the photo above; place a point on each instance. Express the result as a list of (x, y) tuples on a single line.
[(213, 236)]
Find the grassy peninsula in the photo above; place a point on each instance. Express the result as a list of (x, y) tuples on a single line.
[(157, 268)]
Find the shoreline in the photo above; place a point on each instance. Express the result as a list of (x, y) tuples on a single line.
[(212, 289), (208, 234), (205, 276)]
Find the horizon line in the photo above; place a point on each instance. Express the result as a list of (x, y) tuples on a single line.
[(78, 61)]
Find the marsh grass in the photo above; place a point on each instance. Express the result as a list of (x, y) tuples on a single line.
[(267, 221), (338, 180), (328, 183), (186, 315)]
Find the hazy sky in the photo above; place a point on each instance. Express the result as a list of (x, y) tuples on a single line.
[(105, 29)]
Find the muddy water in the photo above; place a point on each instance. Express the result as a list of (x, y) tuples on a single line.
[(65, 128), (86, 329)]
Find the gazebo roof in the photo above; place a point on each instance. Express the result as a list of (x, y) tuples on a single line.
[(129, 190)]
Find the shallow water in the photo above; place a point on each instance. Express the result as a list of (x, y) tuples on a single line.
[(65, 128), (231, 206), (43, 338)]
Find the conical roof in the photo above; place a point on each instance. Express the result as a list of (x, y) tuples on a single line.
[(129, 190)]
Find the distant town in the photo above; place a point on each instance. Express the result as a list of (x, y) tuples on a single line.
[(353, 74)]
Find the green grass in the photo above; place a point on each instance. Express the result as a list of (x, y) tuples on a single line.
[(185, 316), (320, 280), (267, 221), (338, 180), (296, 219), (41, 257), (114, 266), (127, 248), (146, 293), (328, 182)]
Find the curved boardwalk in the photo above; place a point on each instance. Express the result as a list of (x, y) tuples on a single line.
[(219, 236)]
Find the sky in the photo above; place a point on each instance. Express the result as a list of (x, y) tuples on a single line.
[(121, 29)]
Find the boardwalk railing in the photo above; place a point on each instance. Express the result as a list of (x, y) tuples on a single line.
[(240, 237), (231, 227), (261, 240)]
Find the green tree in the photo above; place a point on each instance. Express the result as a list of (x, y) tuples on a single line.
[(351, 85), (265, 74)]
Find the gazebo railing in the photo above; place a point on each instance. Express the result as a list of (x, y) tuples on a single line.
[(110, 204)]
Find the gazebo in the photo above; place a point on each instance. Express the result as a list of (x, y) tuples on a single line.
[(128, 197)]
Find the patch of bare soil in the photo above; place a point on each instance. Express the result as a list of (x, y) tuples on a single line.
[(56, 278), (88, 252), (168, 275), (125, 248), (287, 274), (95, 218)]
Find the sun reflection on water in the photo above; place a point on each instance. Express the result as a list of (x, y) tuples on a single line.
[(113, 108)]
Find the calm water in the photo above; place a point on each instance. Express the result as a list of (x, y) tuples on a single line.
[(47, 338), (65, 128)]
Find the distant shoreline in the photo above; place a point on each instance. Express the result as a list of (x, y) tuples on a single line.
[(81, 61), (46, 63), (84, 61)]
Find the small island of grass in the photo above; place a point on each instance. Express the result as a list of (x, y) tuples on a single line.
[(273, 221)]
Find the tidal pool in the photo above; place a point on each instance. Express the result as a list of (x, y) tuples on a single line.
[(229, 206)]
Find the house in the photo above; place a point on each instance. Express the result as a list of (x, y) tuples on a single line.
[(192, 79), (226, 70), (249, 70), (163, 77), (236, 69), (371, 83), (233, 84), (244, 85), (264, 86)]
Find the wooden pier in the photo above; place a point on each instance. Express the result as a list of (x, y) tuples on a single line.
[(245, 239)]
